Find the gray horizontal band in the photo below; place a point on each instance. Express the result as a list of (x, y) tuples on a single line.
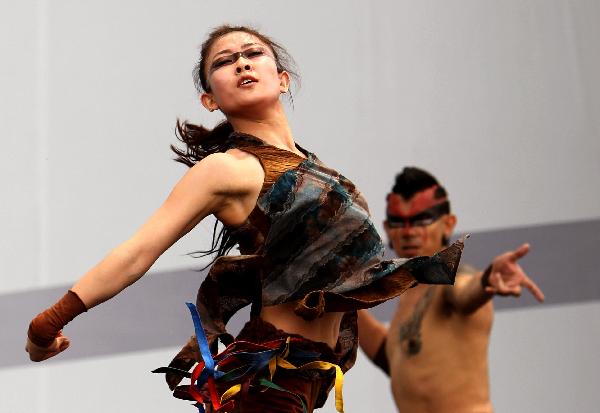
[(562, 262), (152, 314)]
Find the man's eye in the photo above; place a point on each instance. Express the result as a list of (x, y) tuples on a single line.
[(393, 224), (423, 222)]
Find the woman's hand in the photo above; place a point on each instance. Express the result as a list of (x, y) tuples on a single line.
[(37, 353)]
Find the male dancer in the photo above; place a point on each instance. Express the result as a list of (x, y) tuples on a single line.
[(435, 350)]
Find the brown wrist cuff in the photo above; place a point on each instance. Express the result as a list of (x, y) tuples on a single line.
[(485, 277), (44, 328), (381, 359)]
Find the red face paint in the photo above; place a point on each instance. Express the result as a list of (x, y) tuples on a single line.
[(409, 222), (399, 207)]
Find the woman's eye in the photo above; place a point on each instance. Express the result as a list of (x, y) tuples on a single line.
[(221, 63), (254, 53)]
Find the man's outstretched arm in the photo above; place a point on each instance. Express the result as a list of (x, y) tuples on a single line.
[(504, 276)]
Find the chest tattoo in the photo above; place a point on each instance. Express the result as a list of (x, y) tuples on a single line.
[(411, 330)]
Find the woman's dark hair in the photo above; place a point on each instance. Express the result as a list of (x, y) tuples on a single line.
[(199, 141)]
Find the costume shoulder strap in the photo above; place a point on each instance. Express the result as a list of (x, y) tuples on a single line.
[(275, 161)]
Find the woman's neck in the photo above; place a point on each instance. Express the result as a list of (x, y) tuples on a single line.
[(273, 128)]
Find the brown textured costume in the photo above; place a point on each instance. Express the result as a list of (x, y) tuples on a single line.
[(309, 240)]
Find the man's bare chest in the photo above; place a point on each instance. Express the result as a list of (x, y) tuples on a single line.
[(406, 330)]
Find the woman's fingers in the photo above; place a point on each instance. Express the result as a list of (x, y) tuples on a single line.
[(63, 343), (37, 353)]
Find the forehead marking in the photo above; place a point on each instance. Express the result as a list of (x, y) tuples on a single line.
[(419, 202)]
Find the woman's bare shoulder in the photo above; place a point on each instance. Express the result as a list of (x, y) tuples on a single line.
[(234, 170)]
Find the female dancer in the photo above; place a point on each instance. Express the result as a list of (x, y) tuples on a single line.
[(310, 254)]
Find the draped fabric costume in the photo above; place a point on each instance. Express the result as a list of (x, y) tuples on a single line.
[(310, 241)]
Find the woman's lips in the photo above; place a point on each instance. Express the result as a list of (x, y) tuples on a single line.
[(245, 81)]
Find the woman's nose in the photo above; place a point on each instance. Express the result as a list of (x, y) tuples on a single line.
[(245, 66)]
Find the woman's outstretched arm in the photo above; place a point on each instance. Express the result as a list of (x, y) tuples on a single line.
[(193, 198), (216, 185)]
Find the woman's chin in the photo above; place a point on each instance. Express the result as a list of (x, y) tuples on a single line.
[(249, 106)]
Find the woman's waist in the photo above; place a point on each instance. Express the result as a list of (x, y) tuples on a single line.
[(323, 329)]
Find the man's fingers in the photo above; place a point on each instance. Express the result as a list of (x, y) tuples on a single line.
[(502, 288), (520, 252), (514, 291), (490, 290), (535, 290), (497, 281)]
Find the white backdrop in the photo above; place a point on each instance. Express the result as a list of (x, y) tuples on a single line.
[(501, 100)]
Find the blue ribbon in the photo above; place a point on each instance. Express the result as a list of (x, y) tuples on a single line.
[(209, 363)]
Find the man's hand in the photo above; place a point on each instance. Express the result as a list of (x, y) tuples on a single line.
[(507, 277), (37, 353)]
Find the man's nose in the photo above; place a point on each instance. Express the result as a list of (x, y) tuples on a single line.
[(408, 231)]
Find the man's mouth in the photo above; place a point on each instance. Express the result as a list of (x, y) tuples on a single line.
[(409, 251)]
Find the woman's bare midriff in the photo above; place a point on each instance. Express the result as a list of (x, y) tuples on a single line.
[(324, 329)]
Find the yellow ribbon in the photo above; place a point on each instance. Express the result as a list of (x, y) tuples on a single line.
[(279, 360), (232, 391), (321, 365)]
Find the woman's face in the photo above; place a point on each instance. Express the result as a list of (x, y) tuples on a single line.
[(242, 75)]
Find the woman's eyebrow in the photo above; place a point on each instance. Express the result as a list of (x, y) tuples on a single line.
[(245, 45)]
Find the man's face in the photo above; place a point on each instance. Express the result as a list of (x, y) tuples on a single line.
[(419, 225)]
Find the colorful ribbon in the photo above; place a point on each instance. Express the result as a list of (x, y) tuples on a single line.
[(252, 358)]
